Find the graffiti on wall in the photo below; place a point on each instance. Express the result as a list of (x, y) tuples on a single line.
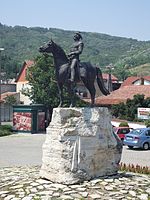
[(22, 121)]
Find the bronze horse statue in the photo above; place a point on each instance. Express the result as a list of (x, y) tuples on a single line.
[(87, 73)]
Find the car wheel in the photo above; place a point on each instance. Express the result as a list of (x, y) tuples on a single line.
[(146, 146), (130, 147), (122, 141)]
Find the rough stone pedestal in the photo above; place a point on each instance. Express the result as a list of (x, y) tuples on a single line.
[(80, 145)]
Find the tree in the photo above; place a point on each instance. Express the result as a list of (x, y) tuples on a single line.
[(121, 71), (43, 84), (11, 100), (128, 111)]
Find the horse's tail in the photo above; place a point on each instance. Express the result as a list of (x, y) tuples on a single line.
[(100, 82)]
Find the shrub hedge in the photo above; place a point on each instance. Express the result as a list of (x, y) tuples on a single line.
[(5, 130)]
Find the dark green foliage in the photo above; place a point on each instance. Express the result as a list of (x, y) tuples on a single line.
[(147, 123), (121, 71), (119, 111), (11, 100), (128, 111), (124, 124), (22, 43), (5, 130)]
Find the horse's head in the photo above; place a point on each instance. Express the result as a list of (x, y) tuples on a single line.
[(47, 48), (56, 50)]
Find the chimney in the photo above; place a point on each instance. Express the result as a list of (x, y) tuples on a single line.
[(142, 80)]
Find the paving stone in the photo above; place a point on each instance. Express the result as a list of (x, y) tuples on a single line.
[(27, 198), (84, 194), (108, 188), (66, 197), (95, 196), (9, 197), (143, 197), (132, 193), (23, 183), (4, 192), (148, 190)]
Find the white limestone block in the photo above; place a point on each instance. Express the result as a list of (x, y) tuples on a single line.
[(80, 145)]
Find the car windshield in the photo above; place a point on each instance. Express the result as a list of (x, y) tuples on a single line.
[(115, 129), (136, 131)]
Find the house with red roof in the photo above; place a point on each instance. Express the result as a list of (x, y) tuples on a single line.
[(22, 83), (130, 87), (134, 80)]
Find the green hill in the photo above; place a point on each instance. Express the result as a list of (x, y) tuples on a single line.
[(22, 43), (142, 70)]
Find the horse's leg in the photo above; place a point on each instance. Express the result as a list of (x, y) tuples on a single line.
[(71, 92), (60, 90), (91, 88)]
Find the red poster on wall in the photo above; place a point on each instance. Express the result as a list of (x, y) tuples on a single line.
[(22, 121)]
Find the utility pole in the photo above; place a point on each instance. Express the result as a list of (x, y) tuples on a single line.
[(1, 49), (110, 67)]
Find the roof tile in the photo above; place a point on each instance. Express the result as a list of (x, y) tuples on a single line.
[(122, 94)]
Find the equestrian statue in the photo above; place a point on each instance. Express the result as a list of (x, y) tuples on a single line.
[(69, 70)]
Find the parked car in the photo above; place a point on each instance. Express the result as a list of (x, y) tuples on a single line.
[(139, 137), (122, 131)]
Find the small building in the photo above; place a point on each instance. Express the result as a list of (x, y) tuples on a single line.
[(29, 118)]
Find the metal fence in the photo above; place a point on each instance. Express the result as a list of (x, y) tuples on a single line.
[(6, 113)]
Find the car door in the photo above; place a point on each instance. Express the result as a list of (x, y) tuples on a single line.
[(147, 134)]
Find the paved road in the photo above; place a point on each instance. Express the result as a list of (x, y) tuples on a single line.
[(26, 149), (21, 149)]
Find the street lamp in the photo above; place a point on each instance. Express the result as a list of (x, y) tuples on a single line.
[(1, 49)]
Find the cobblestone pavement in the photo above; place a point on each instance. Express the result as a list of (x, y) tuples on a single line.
[(24, 183)]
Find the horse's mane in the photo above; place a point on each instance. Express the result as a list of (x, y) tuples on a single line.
[(60, 51)]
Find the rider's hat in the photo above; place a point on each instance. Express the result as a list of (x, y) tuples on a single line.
[(78, 34)]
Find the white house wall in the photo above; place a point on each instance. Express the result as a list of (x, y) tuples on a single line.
[(23, 98)]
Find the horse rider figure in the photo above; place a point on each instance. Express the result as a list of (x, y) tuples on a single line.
[(75, 51)]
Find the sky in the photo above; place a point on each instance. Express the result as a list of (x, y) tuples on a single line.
[(125, 18)]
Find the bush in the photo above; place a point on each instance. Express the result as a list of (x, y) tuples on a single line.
[(147, 123), (124, 124), (5, 130)]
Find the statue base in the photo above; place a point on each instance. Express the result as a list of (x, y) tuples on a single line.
[(80, 145)]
